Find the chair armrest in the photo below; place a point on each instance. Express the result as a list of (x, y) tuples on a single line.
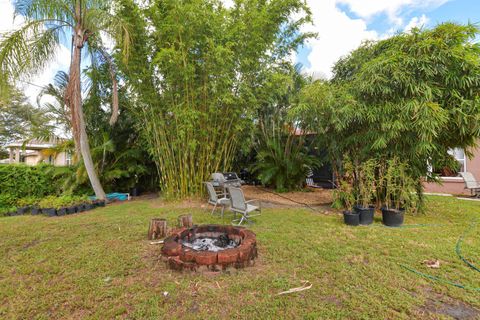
[(256, 200)]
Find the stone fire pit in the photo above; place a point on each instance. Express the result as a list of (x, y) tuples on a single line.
[(210, 247)]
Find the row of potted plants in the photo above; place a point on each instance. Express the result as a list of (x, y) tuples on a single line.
[(55, 206), (372, 184)]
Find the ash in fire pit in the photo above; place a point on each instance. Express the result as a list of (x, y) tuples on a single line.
[(222, 242), (210, 246)]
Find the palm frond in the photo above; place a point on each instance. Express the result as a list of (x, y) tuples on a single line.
[(99, 19), (28, 50), (59, 11)]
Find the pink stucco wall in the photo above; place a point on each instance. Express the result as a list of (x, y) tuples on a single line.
[(455, 185)]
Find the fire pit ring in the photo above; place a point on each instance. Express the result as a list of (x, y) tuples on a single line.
[(210, 247)]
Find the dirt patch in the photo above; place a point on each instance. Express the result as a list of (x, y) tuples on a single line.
[(438, 304), (310, 196)]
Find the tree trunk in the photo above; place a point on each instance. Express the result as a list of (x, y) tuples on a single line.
[(157, 229), (185, 220), (73, 99)]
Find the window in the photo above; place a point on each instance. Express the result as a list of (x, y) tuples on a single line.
[(459, 155), (68, 158)]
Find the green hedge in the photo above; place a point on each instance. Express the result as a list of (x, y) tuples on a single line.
[(20, 181)]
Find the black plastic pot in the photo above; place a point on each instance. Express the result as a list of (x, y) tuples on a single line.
[(80, 207), (101, 203), (351, 218), (71, 210), (135, 192), (366, 214), (88, 206), (393, 217), (12, 213), (22, 210), (61, 211), (35, 210), (51, 212)]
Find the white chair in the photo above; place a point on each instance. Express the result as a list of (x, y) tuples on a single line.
[(471, 183), (216, 199), (239, 205)]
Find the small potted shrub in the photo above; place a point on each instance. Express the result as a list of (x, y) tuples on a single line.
[(4, 212), (48, 205), (89, 205), (70, 205), (35, 209), (366, 192), (26, 204), (399, 193), (100, 203), (345, 198), (12, 211)]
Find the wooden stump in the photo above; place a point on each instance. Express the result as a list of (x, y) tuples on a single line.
[(185, 220), (157, 229)]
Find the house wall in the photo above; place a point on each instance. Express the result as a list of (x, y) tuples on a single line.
[(34, 159), (456, 185), (61, 159)]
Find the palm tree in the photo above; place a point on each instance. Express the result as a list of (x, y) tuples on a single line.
[(57, 109), (28, 50)]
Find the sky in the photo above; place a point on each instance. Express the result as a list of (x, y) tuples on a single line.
[(341, 26)]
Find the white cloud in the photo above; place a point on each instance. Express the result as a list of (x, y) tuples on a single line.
[(392, 8), (338, 34), (416, 22), (61, 61)]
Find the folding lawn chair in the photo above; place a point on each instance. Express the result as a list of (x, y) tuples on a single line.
[(239, 205), (216, 199)]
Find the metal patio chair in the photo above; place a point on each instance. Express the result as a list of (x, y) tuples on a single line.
[(471, 183), (216, 199), (244, 208)]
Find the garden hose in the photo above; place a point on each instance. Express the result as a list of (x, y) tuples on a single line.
[(458, 251), (459, 243), (428, 276), (287, 198)]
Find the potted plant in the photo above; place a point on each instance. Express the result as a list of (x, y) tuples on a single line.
[(61, 206), (399, 193), (70, 205), (26, 204), (366, 192), (35, 209), (48, 205), (89, 205), (345, 198), (12, 211)]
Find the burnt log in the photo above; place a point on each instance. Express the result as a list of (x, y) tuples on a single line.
[(157, 229), (185, 220)]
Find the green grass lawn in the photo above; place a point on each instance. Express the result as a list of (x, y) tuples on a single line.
[(99, 265)]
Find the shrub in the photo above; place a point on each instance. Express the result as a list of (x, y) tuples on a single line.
[(50, 202), (23, 181), (27, 202), (283, 162)]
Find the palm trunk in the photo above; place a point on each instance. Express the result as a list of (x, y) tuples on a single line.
[(74, 102)]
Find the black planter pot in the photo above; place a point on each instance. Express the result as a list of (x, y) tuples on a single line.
[(88, 206), (101, 203), (80, 207), (393, 217), (71, 210), (35, 210), (22, 210), (366, 214), (135, 192), (351, 218), (12, 213), (61, 211), (51, 212)]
